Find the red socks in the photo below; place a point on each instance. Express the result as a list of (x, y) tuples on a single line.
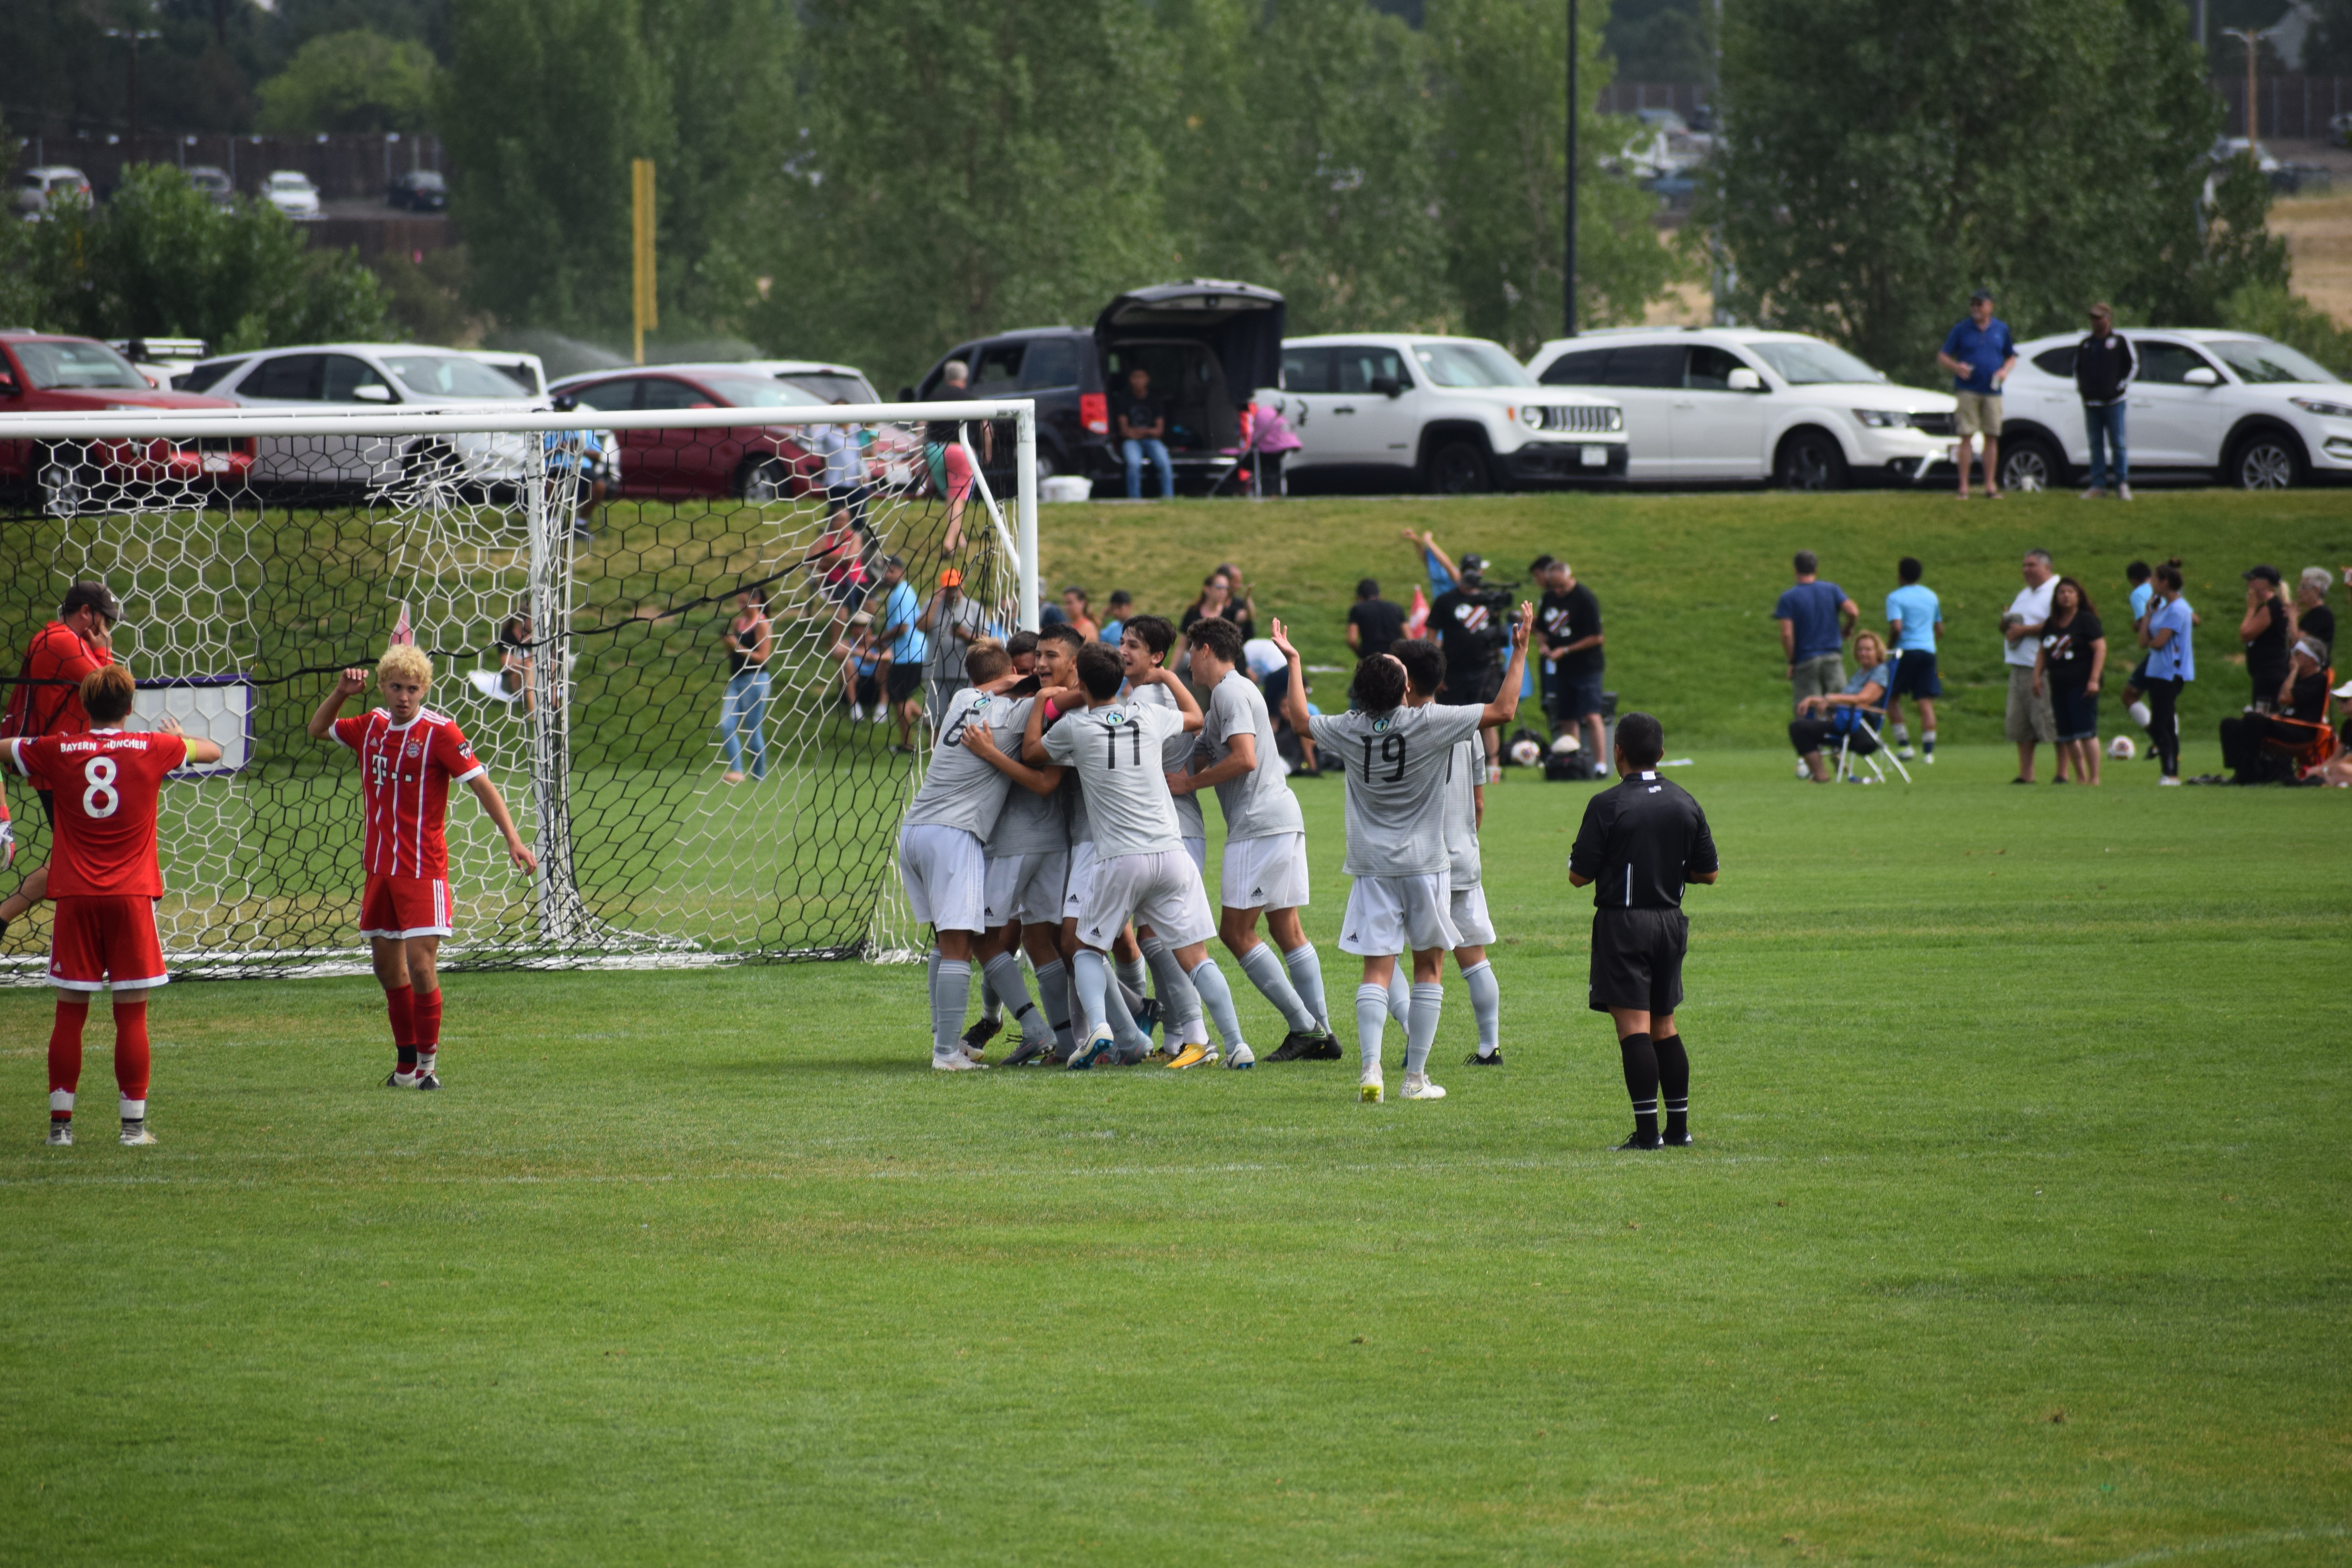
[(130, 1051), (64, 1058), (427, 1010), (131, 1057)]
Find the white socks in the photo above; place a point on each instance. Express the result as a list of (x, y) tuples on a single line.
[(1132, 974), (1400, 995), (1487, 1002), (1307, 978), (1180, 1004), (1428, 1001), (2140, 714), (951, 990), (1218, 999), (1371, 1018), (1053, 993), (1090, 978), (1272, 979), (1004, 981)]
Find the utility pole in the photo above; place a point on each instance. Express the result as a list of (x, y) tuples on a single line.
[(135, 36), (644, 310), (1568, 252), (2252, 38)]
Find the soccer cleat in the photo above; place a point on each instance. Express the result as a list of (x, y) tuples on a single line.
[(1371, 1091), (1300, 1045), (1191, 1056), (2169, 782), (428, 1081), (956, 1062), (1681, 1139), (1242, 1056), (2122, 493), (1639, 1142), (976, 1038), (400, 1079), (1907, 754), (1418, 1086), (1147, 1018), (1326, 1049), (135, 1135), (1092, 1049), (1023, 1054), (1475, 1060), (60, 1134), (1128, 1056)]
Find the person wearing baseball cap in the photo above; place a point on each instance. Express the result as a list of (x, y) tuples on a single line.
[(47, 700), (2264, 631), (1979, 352), (950, 622)]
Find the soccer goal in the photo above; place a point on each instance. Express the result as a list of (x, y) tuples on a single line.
[(575, 577)]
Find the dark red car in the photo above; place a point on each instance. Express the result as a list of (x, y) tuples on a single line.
[(754, 463), (45, 372)]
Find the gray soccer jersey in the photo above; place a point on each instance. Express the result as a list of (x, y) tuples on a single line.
[(1175, 756), (1030, 824), (1259, 804), (1396, 767), (961, 788), (1463, 776), (1116, 750)]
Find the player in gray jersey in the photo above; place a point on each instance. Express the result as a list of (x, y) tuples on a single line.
[(1265, 867), (1141, 869), (1396, 760), (1465, 809), (941, 857), (1143, 647)]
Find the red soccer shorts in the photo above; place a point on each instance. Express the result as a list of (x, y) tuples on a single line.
[(100, 940), (404, 907)]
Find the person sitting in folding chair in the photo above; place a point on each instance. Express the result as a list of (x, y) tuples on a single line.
[(1845, 717), (2284, 746)]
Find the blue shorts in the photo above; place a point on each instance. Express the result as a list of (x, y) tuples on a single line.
[(1915, 675), (2077, 713), (1574, 696)]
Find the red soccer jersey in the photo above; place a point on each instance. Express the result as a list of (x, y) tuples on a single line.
[(56, 654), (106, 783), (406, 772)]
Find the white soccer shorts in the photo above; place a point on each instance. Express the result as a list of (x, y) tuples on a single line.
[(946, 876), (1390, 915), (1198, 849), (1080, 881), (1162, 891), (1470, 918), (1267, 873), (1026, 887)]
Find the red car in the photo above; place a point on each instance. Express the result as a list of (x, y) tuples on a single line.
[(752, 463), (45, 373)]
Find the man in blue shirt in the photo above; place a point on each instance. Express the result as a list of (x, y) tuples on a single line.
[(1914, 619), (1979, 354), (1815, 617), (904, 648)]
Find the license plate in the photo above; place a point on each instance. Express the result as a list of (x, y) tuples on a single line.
[(1594, 457), (216, 464)]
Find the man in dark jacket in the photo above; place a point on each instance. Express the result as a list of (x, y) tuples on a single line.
[(2103, 375)]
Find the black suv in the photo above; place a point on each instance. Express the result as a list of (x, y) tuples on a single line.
[(1209, 345)]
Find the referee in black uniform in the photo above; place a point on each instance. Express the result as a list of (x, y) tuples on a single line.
[(1640, 843)]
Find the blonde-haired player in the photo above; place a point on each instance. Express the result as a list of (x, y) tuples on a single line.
[(409, 755)]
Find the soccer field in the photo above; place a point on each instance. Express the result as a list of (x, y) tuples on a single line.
[(2016, 1233)]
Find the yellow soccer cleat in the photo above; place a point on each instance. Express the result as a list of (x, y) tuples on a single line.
[(1371, 1091), (1192, 1056)]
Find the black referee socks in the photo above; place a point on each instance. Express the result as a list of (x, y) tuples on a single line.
[(1673, 1082), (1642, 1082)]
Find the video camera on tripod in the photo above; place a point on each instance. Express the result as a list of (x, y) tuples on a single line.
[(1494, 637)]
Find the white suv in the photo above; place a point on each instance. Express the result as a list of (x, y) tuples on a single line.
[(1732, 404), (1450, 415), (2255, 414)]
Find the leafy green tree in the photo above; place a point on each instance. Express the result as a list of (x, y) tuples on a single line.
[(160, 260), (1502, 66), (1661, 40), (352, 81), (1883, 158)]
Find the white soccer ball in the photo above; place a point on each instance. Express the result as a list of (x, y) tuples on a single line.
[(1526, 752), (2122, 749)]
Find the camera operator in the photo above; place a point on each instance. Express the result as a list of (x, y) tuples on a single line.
[(1471, 623)]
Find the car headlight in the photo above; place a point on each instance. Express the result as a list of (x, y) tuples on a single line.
[(1883, 418), (1531, 416), (2322, 408), (1616, 418)]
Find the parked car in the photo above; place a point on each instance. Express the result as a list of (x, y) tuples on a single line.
[(758, 462), (37, 187), (1447, 415), (291, 193), (1733, 405), (47, 373), (163, 361), (1207, 343), (419, 190), (217, 187), (321, 376), (822, 379), (2203, 404), (527, 371)]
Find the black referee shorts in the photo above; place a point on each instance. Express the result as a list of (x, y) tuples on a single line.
[(1637, 960)]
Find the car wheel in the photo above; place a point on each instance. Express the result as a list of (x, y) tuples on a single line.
[(2027, 464), (1459, 469), (65, 489), (1812, 461), (766, 481), (2267, 461)]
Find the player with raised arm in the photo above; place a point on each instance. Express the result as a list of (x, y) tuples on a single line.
[(1640, 843), (1141, 869), (105, 880), (941, 857), (409, 755), (47, 701), (1465, 811), (1396, 760), (1265, 869)]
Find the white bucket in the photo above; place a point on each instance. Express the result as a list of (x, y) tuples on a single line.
[(1066, 487)]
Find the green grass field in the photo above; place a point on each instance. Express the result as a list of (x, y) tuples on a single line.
[(2017, 1231)]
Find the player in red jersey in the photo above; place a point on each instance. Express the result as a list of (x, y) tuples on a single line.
[(105, 880), (48, 701), (409, 756)]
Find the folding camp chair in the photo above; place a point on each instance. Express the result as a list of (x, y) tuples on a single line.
[(2316, 743), (1846, 754)]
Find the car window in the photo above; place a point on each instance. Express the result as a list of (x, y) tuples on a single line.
[(2058, 362), (2259, 362), (1710, 368), (1358, 364), (1586, 367), (1052, 361), (1306, 370), (1645, 364), (69, 367), (1470, 363), (2168, 364), (828, 387), (450, 375), (749, 389), (609, 396), (999, 368), (660, 392), (1813, 363), (288, 376), (345, 376), (205, 375)]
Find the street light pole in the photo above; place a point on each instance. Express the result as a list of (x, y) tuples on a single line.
[(135, 36), (1568, 253), (2252, 38)]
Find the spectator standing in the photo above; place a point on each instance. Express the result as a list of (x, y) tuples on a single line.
[(951, 623), (946, 457), (2264, 631), (1815, 617), (2313, 618), (903, 651), (2028, 719), (1915, 621), (1078, 611), (1435, 561), (1979, 352), (751, 639), (1121, 606), (1464, 625), (2070, 658), (2103, 367), (1374, 624), (1568, 620), (2171, 665), (1217, 599), (1243, 613), (843, 453), (1142, 432)]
